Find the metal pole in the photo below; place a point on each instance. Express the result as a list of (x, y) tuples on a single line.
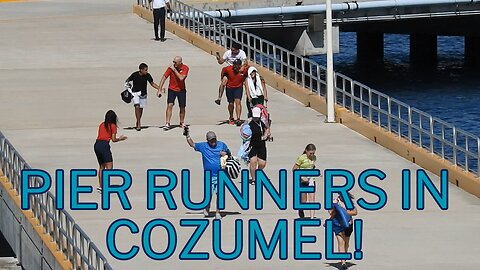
[(330, 90)]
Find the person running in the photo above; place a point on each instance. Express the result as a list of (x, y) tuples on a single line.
[(307, 161), (258, 150), (232, 79), (235, 52), (159, 12), (342, 234), (107, 130), (255, 89), (177, 74), (211, 150), (139, 91)]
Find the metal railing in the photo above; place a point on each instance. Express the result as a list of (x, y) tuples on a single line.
[(70, 239), (432, 134)]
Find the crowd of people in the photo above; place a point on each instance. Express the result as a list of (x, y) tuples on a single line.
[(236, 78)]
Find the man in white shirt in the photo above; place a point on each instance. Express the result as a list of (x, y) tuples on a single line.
[(231, 55), (159, 13)]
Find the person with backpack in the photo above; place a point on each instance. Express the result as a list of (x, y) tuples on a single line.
[(107, 131), (257, 148), (255, 89), (342, 224), (304, 162)]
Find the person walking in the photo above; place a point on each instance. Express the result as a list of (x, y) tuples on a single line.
[(159, 14), (232, 79), (139, 91), (255, 89), (211, 150), (177, 74), (258, 150), (304, 162), (107, 130), (342, 233)]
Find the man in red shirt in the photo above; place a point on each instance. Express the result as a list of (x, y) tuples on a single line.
[(177, 73), (232, 79)]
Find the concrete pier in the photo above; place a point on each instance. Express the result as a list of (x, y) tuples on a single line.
[(63, 66)]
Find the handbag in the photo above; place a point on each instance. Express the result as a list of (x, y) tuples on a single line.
[(126, 94)]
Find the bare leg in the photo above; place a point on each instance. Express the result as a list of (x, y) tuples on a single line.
[(106, 166), (182, 115), (341, 244), (303, 199), (253, 167), (100, 169), (238, 108), (261, 164), (311, 198), (230, 110), (168, 113), (138, 115)]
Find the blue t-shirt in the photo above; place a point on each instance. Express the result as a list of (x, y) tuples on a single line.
[(211, 156)]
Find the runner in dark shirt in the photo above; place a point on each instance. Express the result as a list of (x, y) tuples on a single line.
[(258, 149)]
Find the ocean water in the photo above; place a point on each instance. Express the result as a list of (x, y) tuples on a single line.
[(450, 92)]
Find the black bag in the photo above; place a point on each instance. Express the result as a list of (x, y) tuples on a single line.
[(127, 94)]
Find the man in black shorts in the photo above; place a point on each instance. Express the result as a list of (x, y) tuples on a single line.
[(139, 91)]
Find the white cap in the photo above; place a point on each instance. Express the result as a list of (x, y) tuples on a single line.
[(256, 112)]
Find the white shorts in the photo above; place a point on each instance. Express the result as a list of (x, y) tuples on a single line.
[(138, 99)]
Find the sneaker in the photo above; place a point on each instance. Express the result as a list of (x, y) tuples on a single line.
[(217, 101), (157, 39), (344, 267), (166, 127), (138, 128), (182, 125), (231, 121), (251, 182), (206, 213), (99, 189), (238, 122), (163, 39), (218, 216)]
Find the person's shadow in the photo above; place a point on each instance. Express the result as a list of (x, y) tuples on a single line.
[(212, 213), (338, 265)]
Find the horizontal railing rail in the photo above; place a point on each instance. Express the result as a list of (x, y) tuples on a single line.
[(70, 239), (417, 127)]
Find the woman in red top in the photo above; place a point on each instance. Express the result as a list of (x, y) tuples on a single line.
[(106, 131)]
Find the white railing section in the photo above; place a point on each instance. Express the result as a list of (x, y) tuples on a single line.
[(419, 128), (70, 239)]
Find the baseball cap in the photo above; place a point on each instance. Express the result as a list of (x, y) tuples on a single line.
[(211, 135), (237, 62), (256, 112)]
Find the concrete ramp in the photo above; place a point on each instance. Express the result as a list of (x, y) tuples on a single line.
[(63, 68)]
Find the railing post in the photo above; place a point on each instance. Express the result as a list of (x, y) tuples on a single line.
[(410, 124), (431, 134), (389, 117), (454, 146)]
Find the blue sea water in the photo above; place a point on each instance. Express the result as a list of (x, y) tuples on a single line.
[(450, 91)]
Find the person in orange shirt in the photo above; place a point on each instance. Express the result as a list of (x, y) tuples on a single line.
[(107, 130), (232, 78), (176, 73)]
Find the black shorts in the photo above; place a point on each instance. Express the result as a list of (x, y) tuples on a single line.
[(348, 231), (182, 97), (234, 93), (102, 151), (259, 152)]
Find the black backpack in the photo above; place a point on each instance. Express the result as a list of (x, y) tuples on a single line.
[(127, 93)]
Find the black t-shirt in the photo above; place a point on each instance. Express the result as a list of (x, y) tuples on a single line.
[(140, 82), (257, 133)]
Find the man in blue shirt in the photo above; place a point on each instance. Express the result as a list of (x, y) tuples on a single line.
[(212, 150)]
